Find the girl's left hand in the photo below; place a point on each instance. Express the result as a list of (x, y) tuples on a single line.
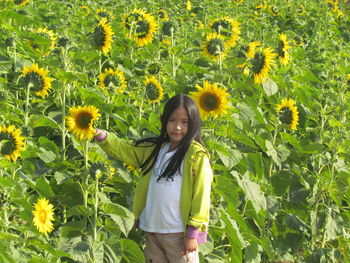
[(190, 245)]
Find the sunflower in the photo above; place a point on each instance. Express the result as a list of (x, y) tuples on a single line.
[(103, 13), (163, 15), (274, 10), (103, 35), (214, 47), (288, 113), (262, 63), (198, 24), (282, 49), (81, 120), (227, 27), (211, 99), (21, 2), (49, 35), (154, 91), (252, 47), (11, 142), (262, 6), (141, 26), (188, 5), (237, 1), (38, 79), (333, 4), (85, 9), (113, 80), (301, 9), (43, 216)]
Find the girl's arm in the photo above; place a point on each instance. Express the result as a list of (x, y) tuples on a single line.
[(119, 149), (200, 205)]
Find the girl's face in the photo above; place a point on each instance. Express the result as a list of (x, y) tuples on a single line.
[(177, 126)]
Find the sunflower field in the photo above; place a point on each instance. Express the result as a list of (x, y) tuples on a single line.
[(272, 82)]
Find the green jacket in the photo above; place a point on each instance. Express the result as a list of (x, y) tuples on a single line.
[(196, 181)]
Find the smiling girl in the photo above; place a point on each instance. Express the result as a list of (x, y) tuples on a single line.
[(172, 199)]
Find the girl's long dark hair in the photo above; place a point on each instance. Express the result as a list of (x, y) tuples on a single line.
[(193, 133)]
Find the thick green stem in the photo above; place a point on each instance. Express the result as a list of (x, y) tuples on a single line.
[(95, 209), (26, 117), (172, 53), (86, 145), (272, 165), (63, 122)]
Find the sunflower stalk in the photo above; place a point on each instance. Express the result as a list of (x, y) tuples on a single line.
[(107, 115), (65, 87), (172, 52), (63, 122), (26, 116), (95, 207), (272, 165)]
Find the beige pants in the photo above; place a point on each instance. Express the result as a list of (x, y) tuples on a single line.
[(167, 248)]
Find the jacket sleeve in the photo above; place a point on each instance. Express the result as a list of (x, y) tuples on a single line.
[(123, 151), (200, 205)]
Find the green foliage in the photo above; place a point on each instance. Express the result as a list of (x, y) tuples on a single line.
[(278, 195)]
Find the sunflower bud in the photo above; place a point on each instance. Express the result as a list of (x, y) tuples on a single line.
[(168, 28), (9, 42), (154, 68)]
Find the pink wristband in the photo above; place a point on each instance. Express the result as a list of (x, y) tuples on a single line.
[(101, 135)]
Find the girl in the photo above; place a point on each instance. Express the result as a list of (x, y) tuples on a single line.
[(172, 199)]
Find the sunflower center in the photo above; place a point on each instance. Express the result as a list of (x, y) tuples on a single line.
[(209, 101), (99, 36), (112, 82), (35, 80), (152, 92), (222, 27), (132, 18), (161, 14), (142, 28), (104, 14), (286, 116), (258, 62), (280, 49), (83, 120), (42, 216), (216, 46), (7, 143)]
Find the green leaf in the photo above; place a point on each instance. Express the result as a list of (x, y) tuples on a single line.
[(252, 253), (5, 254), (332, 228), (72, 229), (44, 188), (280, 182), (270, 87), (252, 191), (44, 247), (131, 251), (311, 148), (48, 145), (230, 158), (290, 139), (234, 236), (46, 156), (271, 151), (120, 215), (43, 121)]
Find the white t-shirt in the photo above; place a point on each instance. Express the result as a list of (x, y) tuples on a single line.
[(162, 211)]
